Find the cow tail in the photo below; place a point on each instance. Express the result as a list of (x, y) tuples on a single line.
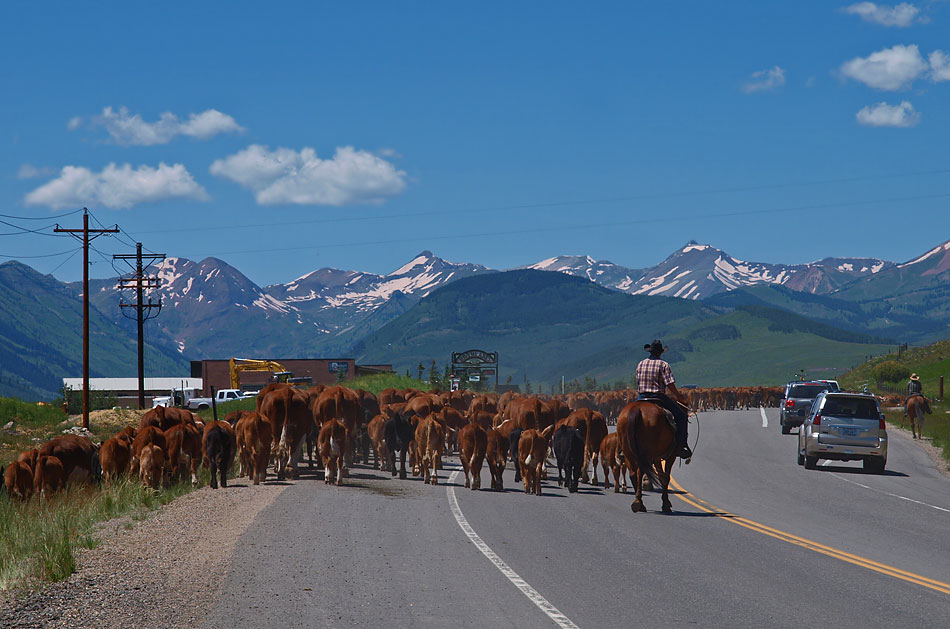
[(644, 465)]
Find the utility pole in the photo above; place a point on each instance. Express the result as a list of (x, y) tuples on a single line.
[(143, 311), (85, 231)]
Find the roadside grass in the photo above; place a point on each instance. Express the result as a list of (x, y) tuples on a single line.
[(929, 362), (377, 382), (38, 538)]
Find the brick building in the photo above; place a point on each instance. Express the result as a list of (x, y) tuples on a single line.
[(216, 373)]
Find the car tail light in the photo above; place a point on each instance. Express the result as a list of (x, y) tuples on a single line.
[(789, 403), (817, 420), (881, 424)]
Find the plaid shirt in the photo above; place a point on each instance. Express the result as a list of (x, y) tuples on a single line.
[(654, 375)]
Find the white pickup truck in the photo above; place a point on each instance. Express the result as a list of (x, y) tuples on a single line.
[(187, 398)]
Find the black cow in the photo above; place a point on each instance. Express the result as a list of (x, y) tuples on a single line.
[(568, 446), (220, 446), (513, 440), (399, 434)]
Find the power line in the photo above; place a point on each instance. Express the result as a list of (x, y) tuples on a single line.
[(57, 267), (665, 219), (26, 230), (48, 255), (528, 206), (39, 218)]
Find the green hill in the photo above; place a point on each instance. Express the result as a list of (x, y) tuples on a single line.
[(41, 338), (548, 325)]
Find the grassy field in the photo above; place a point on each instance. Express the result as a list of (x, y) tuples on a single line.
[(38, 539), (929, 362)]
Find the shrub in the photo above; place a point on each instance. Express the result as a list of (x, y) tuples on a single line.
[(890, 371)]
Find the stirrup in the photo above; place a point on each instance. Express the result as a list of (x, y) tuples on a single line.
[(685, 453)]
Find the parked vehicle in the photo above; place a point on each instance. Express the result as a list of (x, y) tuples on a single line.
[(799, 396), (187, 398), (844, 427)]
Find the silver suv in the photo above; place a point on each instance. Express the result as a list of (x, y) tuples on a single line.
[(844, 427), (799, 396)]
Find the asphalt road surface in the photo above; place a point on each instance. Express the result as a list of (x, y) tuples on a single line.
[(755, 540)]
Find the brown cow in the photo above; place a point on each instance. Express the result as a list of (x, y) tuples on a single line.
[(79, 456), (473, 445), (430, 440), (482, 418), (150, 435), (496, 453), (453, 421), (183, 443), (253, 434), (18, 479), (333, 443), (532, 450), (165, 417), (377, 437), (116, 454), (341, 403), (151, 465), (49, 476), (611, 457), (291, 419)]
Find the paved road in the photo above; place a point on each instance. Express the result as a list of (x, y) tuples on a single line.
[(756, 541)]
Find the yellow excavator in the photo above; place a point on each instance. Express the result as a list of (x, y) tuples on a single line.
[(237, 365)]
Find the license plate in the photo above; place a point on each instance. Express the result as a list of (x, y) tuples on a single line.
[(848, 431)]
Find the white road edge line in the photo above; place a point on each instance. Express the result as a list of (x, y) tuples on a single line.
[(533, 595), (765, 419), (887, 493)]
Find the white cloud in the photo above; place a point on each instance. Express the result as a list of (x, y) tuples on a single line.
[(287, 176), (884, 115), (117, 186), (901, 15), (130, 129), (888, 69), (939, 66), (29, 171), (74, 123), (764, 80)]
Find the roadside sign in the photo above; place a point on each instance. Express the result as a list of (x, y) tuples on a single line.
[(474, 378)]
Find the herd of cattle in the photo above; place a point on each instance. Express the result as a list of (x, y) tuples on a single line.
[(343, 424)]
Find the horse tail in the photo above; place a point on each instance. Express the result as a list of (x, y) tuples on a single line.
[(643, 463)]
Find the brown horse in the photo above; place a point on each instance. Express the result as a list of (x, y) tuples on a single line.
[(916, 407), (648, 442)]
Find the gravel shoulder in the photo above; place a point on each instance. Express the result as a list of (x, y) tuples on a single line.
[(164, 571)]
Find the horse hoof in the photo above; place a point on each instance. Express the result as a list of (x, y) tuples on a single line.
[(667, 509), (637, 507)]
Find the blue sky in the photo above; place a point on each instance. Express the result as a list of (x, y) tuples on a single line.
[(355, 135)]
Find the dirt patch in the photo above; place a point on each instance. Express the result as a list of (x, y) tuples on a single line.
[(160, 572)]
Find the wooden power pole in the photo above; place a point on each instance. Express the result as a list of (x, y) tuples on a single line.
[(85, 231), (143, 311)]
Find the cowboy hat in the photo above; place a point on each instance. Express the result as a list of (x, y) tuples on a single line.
[(914, 377), (656, 347)]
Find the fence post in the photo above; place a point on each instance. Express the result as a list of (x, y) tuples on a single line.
[(940, 397)]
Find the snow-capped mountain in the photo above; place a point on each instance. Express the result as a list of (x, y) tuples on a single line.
[(340, 300), (699, 271), (602, 272)]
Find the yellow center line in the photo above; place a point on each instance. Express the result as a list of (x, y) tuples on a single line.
[(891, 571)]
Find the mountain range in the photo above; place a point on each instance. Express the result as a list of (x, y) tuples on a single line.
[(211, 310)]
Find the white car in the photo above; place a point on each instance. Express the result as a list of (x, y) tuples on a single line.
[(844, 427)]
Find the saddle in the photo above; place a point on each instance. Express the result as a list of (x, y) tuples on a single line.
[(666, 412)]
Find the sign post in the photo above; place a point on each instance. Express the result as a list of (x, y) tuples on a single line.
[(476, 365)]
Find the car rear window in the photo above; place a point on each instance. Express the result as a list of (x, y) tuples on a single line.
[(809, 391), (851, 407)]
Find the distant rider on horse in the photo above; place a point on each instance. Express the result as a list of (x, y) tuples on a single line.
[(915, 388), (654, 378)]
